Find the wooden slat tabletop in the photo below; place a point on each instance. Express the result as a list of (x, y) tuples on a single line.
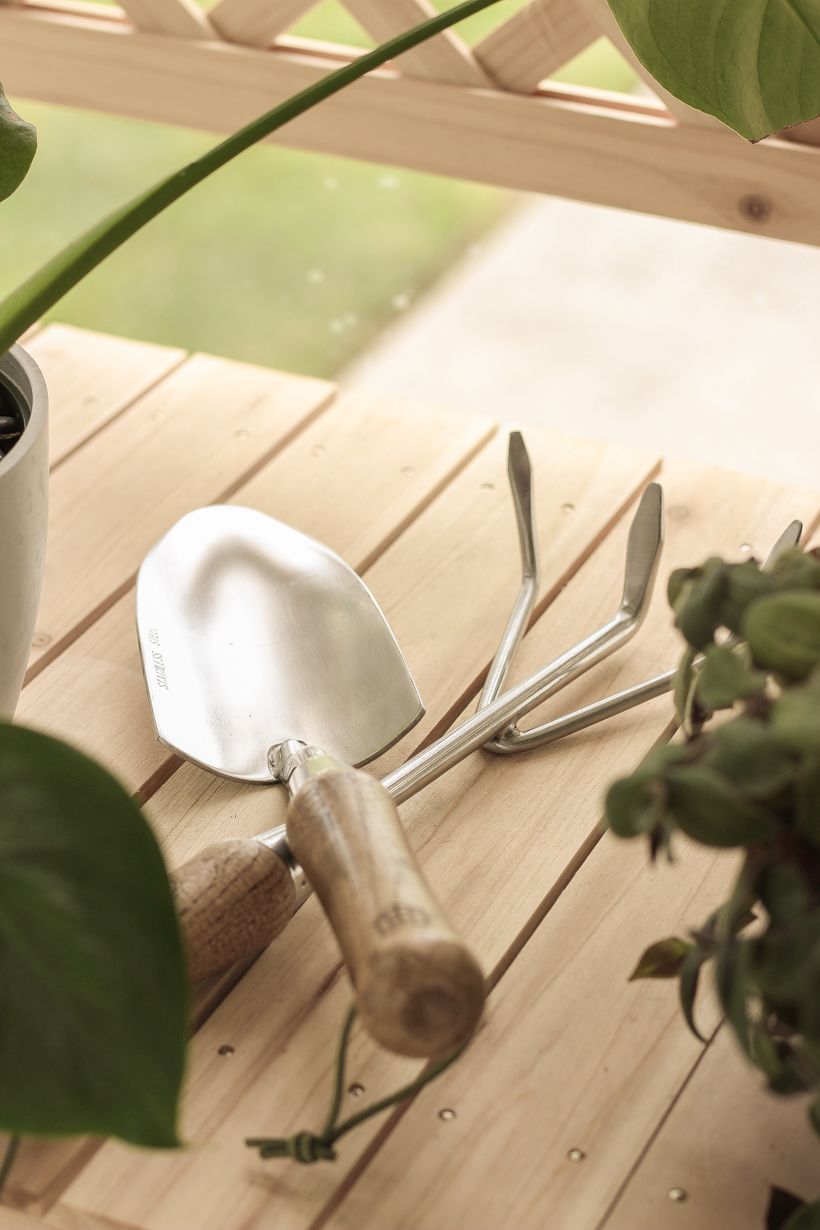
[(570, 1056)]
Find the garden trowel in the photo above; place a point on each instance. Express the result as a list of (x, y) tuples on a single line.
[(267, 659)]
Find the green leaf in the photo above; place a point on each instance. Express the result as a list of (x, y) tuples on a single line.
[(724, 678), (807, 812), (710, 810), (776, 1060), (745, 583), (18, 143), (94, 1020), (796, 569), (814, 1116), (783, 631), (732, 984), (784, 892), (755, 64), (662, 960), (689, 977), (637, 804), (749, 754), (685, 681), (795, 717), (806, 1218), (698, 599)]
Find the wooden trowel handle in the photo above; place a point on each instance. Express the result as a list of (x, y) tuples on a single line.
[(232, 900), (419, 989)]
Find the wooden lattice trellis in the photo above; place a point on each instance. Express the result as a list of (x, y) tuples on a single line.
[(484, 113)]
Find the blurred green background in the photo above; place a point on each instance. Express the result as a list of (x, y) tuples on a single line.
[(288, 259)]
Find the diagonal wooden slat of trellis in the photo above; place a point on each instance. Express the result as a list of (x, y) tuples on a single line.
[(725, 1144), (256, 22), (599, 148), (91, 378), (191, 440), (179, 18), (444, 58), (535, 42)]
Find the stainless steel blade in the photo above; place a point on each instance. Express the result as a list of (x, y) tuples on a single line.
[(252, 633)]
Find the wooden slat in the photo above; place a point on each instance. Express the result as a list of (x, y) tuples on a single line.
[(256, 23), (92, 378), (346, 480), (10, 1220), (191, 440), (42, 1169), (535, 42), (179, 18), (263, 1023), (726, 1142), (595, 152), (444, 58)]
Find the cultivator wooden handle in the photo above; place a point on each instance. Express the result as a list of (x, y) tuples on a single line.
[(233, 898)]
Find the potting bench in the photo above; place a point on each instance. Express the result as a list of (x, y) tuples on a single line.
[(583, 1101)]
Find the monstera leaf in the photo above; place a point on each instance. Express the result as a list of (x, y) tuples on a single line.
[(755, 64), (18, 142)]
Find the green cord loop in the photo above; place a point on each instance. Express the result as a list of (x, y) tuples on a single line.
[(307, 1147), (303, 1147)]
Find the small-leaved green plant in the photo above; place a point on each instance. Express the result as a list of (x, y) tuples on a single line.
[(751, 782)]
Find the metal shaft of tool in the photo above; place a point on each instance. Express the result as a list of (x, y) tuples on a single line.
[(519, 472), (432, 762), (512, 741), (642, 561)]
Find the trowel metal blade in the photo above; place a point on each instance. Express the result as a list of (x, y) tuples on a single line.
[(252, 633)]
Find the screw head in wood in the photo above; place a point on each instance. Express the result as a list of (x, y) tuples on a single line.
[(226, 1051), (576, 1155), (355, 1090), (447, 1114), (678, 1195)]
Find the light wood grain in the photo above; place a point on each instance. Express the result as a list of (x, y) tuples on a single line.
[(726, 1142), (178, 18), (189, 441), (536, 41), (232, 899), (499, 839), (419, 989), (91, 378), (42, 1169), (609, 153), (354, 478), (256, 22), (444, 58)]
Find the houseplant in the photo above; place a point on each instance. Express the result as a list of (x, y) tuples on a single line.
[(751, 783)]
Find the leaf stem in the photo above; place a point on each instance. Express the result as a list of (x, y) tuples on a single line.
[(44, 288), (308, 1147), (8, 1159)]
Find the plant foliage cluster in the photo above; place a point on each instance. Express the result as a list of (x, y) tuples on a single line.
[(751, 782)]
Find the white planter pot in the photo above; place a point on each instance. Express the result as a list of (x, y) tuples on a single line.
[(23, 522)]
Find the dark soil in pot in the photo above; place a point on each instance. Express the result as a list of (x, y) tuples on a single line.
[(12, 421)]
